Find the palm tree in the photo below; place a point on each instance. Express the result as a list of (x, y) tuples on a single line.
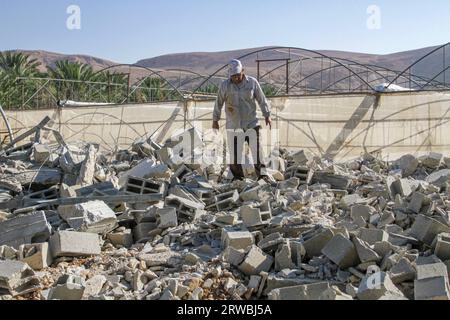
[(154, 89), (14, 65), (71, 80)]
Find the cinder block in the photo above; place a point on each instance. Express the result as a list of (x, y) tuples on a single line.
[(237, 239), (376, 286), (315, 244), (250, 216), (255, 262), (442, 248), (24, 230), (123, 238), (37, 255), (74, 244), (341, 251), (166, 218), (141, 231), (432, 289), (426, 229), (371, 236)]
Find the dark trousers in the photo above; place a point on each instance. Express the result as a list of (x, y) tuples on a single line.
[(236, 167)]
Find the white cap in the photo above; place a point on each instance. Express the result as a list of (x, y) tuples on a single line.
[(235, 67)]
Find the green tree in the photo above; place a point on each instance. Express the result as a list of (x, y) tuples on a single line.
[(15, 65)]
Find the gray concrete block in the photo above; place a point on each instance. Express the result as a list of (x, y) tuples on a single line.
[(442, 246), (255, 262), (37, 255), (341, 251), (283, 258), (315, 244), (299, 292), (432, 289), (236, 239), (24, 230), (376, 286), (166, 218), (92, 217), (123, 238), (365, 253), (74, 244), (371, 236), (426, 229)]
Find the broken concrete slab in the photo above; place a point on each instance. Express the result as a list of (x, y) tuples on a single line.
[(314, 245), (407, 164), (442, 246), (92, 217), (17, 278), (74, 244), (439, 178), (166, 218), (24, 230), (68, 287)]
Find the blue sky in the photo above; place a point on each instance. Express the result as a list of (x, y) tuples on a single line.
[(126, 31)]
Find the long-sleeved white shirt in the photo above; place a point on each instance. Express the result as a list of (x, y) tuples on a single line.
[(240, 103)]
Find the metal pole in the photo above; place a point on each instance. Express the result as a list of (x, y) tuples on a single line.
[(8, 127), (257, 67), (287, 76), (128, 88)]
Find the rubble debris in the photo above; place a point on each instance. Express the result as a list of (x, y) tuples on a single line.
[(147, 224), (17, 278)]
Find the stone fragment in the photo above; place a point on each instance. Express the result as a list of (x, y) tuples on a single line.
[(17, 278), (255, 262), (341, 251)]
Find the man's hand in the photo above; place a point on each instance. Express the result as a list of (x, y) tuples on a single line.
[(215, 125), (269, 122)]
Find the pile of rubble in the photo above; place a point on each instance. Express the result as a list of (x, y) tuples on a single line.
[(79, 224)]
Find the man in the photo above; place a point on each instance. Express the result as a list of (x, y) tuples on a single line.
[(240, 93)]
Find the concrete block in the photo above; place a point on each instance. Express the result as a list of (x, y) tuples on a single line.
[(403, 187), (314, 245), (439, 178), (236, 239), (341, 251), (418, 201), (432, 270), (140, 171), (24, 230), (347, 202), (234, 256), (334, 294), (17, 278), (376, 286), (442, 247), (299, 292), (250, 216), (68, 287), (142, 230), (123, 238), (436, 288), (94, 286), (283, 258), (37, 255), (362, 211), (426, 229), (402, 271), (407, 163), (255, 262), (166, 218), (365, 253), (271, 242), (91, 217), (371, 236), (74, 244), (227, 219), (143, 186)]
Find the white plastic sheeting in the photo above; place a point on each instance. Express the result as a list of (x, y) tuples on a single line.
[(336, 126)]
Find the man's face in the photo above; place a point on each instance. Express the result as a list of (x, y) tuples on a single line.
[(237, 78)]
